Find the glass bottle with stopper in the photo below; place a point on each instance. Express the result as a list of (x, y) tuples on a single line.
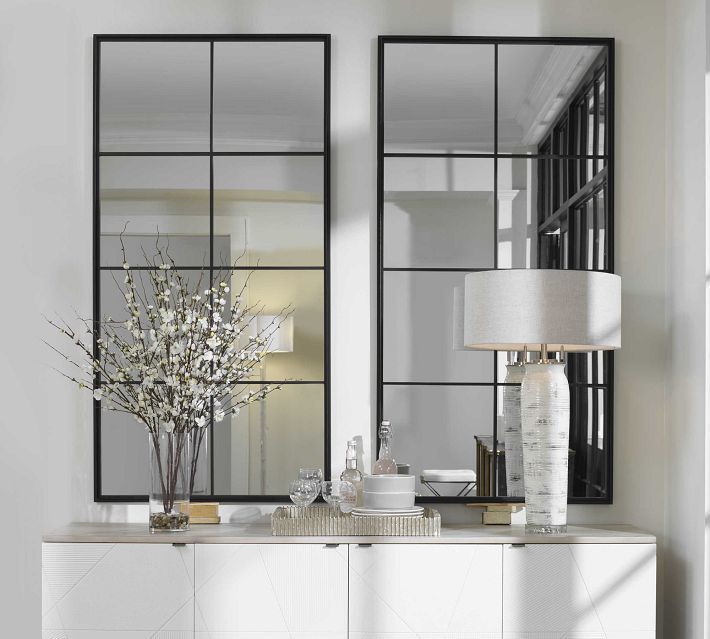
[(385, 464), (351, 472)]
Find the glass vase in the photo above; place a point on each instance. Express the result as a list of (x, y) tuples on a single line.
[(169, 497)]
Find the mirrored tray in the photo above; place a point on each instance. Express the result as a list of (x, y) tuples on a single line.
[(323, 521)]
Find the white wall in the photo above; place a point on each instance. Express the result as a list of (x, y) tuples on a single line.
[(45, 182), (686, 177)]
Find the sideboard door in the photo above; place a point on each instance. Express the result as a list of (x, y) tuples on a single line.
[(598, 590), (117, 591), (413, 591), (274, 591)]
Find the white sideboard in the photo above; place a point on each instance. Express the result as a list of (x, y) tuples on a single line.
[(239, 582)]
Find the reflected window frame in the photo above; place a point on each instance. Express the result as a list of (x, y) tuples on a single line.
[(97, 268), (563, 189)]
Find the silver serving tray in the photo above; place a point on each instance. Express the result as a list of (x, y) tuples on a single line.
[(322, 521)]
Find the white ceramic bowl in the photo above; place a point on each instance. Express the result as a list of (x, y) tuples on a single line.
[(387, 500), (388, 483)]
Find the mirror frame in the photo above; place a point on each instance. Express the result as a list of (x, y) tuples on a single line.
[(211, 39), (606, 43)]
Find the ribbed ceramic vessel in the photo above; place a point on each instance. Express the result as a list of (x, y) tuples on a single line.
[(512, 431), (545, 424)]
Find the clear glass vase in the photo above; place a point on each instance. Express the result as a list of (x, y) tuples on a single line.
[(169, 497)]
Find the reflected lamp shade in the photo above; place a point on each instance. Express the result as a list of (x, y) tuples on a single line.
[(277, 332), (507, 310), (458, 303)]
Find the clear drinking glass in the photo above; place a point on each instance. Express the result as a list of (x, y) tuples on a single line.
[(312, 474), (302, 492), (341, 495)]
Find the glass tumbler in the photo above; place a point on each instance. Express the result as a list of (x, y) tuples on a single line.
[(341, 495), (312, 474), (302, 492)]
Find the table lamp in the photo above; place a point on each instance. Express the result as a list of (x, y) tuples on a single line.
[(278, 333), (545, 311)]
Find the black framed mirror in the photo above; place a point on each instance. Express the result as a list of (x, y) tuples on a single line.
[(493, 153), (217, 147)]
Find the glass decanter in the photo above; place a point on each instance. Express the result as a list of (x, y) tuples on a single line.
[(385, 464), (351, 472)]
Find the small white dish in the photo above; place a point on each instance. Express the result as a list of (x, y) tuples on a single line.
[(415, 511), (387, 500), (449, 475)]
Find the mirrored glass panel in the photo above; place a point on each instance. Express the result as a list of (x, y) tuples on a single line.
[(124, 454), (589, 441), (420, 335), (444, 434), (535, 83), (464, 188), (113, 302), (438, 212), (267, 293), (517, 196), (268, 96), (155, 96), (258, 451), (211, 154), (143, 198), (439, 98), (270, 209)]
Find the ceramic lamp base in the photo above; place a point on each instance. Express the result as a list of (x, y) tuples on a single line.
[(512, 431), (535, 529), (545, 424)]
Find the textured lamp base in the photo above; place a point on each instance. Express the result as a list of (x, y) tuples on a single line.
[(545, 529), (512, 431), (545, 423)]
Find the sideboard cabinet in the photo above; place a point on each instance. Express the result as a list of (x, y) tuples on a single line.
[(236, 582)]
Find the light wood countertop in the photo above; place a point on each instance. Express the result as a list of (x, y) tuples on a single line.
[(230, 533)]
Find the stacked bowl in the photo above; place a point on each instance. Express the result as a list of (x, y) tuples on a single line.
[(388, 495)]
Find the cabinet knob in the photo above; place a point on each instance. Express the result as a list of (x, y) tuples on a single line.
[(517, 545), (332, 545), (364, 545)]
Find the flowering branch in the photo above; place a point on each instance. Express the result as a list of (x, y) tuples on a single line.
[(180, 354)]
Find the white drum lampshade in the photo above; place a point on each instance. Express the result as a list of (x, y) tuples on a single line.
[(543, 310), (509, 309)]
